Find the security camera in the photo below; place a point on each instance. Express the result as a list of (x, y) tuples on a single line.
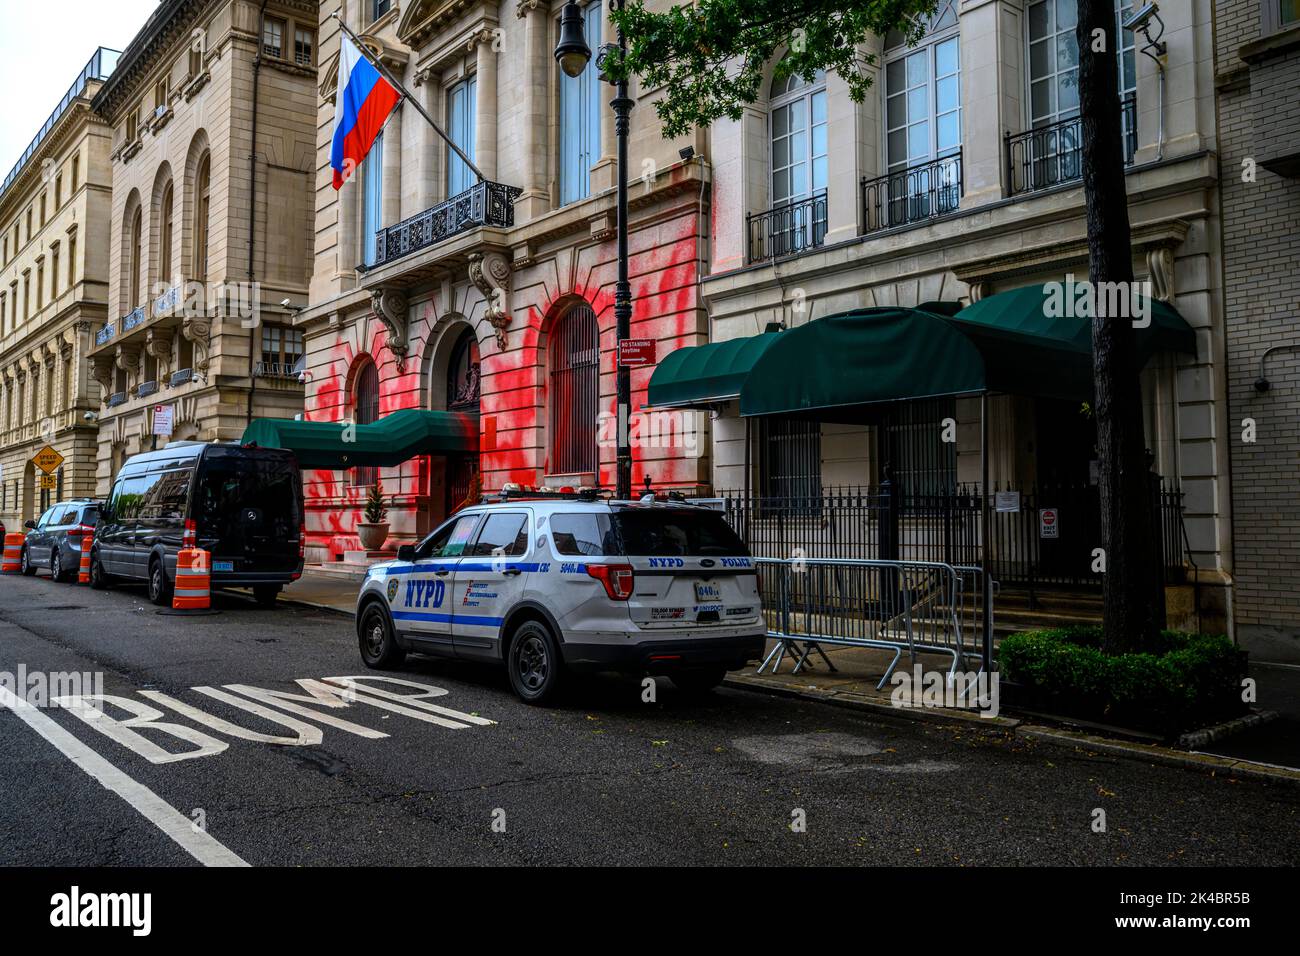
[(1140, 17), (285, 302), (90, 417), (686, 153)]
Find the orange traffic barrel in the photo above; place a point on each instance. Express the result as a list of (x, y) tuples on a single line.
[(193, 581), (13, 553), (83, 575)]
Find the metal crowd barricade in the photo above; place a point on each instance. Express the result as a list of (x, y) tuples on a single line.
[(915, 606)]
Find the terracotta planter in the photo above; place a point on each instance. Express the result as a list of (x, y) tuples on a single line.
[(372, 536)]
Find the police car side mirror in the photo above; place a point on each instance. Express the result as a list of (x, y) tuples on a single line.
[(406, 552)]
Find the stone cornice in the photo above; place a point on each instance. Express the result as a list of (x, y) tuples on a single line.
[(424, 19), (70, 125)]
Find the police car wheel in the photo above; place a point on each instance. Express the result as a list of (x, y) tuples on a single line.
[(536, 670), (698, 680), (379, 650)]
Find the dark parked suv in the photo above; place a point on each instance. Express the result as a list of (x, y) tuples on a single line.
[(56, 538), (242, 505)]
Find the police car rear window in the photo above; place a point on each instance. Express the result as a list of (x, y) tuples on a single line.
[(663, 533), (582, 534)]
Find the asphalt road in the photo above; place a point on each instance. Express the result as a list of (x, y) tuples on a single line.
[(604, 779)]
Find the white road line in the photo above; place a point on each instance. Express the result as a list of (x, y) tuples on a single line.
[(197, 843)]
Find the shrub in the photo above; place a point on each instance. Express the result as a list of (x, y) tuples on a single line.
[(376, 509), (1186, 681)]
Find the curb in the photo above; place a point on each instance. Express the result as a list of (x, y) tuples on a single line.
[(1244, 769), (861, 702), (1073, 740), (316, 607), (1199, 738)]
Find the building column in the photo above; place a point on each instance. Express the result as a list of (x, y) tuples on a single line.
[(428, 193), (983, 118), (536, 198), (485, 120), (391, 187)]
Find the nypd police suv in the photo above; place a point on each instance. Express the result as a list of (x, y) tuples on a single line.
[(550, 583)]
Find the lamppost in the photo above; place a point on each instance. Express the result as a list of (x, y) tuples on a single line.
[(573, 54)]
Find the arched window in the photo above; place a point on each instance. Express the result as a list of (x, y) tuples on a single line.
[(462, 374), (574, 392), (202, 189), (133, 294), (366, 399), (799, 163), (165, 237)]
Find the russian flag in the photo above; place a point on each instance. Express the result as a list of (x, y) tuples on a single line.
[(361, 106)]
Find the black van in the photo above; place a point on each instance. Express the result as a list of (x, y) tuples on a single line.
[(242, 505)]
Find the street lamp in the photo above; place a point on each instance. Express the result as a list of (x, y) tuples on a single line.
[(573, 54)]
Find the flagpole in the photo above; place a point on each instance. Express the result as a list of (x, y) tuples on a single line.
[(379, 65)]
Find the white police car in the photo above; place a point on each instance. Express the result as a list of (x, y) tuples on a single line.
[(549, 583)]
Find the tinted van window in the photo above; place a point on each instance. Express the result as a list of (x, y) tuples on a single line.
[(661, 532), (166, 500), (582, 534), (236, 492), (129, 501)]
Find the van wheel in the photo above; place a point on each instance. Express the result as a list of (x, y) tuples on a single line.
[(28, 568), (99, 580), (265, 594), (159, 588), (536, 669), (698, 680), (379, 650)]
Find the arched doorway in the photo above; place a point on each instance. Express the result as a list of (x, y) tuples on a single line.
[(462, 396), (28, 500), (366, 402)]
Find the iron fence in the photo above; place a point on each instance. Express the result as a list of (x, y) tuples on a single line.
[(483, 204), (788, 229), (882, 522), (913, 194), (1049, 155)]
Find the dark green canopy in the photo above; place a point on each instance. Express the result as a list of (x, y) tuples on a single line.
[(1011, 342), (706, 374), (390, 441)]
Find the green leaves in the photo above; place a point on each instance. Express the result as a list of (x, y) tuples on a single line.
[(711, 58)]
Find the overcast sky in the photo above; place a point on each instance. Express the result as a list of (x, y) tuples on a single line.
[(43, 46)]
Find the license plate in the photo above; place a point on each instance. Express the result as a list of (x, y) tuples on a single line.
[(223, 565), (705, 592)]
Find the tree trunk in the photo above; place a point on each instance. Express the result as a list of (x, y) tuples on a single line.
[(1131, 582)]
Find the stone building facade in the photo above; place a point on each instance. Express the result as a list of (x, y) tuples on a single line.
[(1257, 75), (54, 223), (958, 178), (433, 291), (210, 240)]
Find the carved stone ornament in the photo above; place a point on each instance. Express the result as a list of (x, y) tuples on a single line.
[(490, 273), (101, 370), (199, 331), (158, 343), (1160, 263), (390, 308)]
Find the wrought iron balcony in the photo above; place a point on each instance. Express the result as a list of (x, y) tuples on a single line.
[(1048, 156), (181, 377), (117, 398), (912, 194), (134, 319), (105, 334), (787, 230), (483, 204), (146, 388)]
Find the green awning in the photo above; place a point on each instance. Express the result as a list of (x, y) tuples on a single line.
[(706, 374), (390, 441), (835, 367)]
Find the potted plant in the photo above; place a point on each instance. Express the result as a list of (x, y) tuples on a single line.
[(374, 530)]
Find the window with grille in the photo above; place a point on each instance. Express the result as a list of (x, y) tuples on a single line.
[(913, 453), (574, 392), (282, 349), (790, 465), (273, 37), (303, 42), (366, 393)]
